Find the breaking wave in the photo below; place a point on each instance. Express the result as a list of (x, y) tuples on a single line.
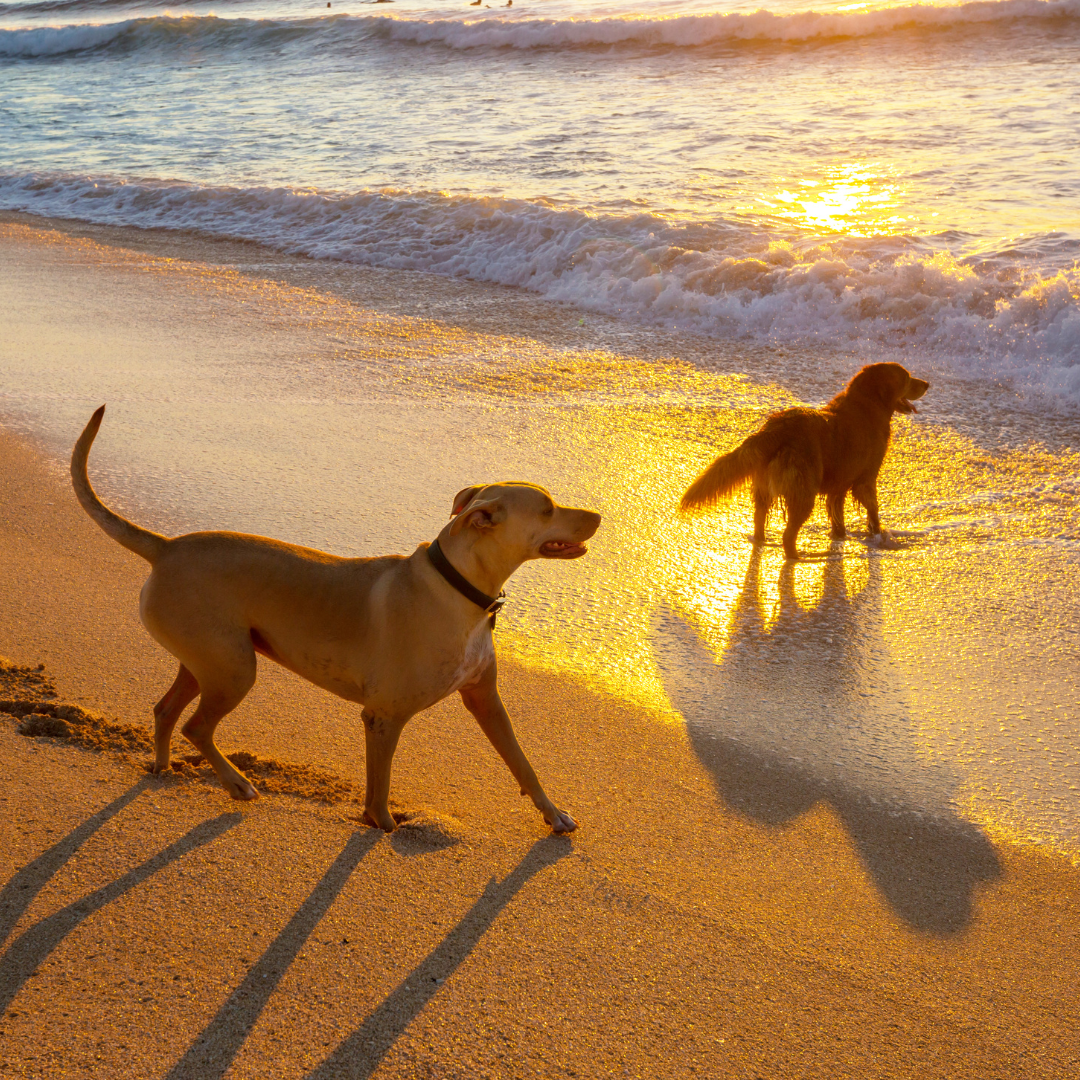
[(499, 31), (1011, 315)]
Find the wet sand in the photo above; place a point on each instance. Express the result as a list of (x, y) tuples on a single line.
[(717, 914)]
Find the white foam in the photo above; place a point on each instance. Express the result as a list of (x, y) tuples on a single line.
[(721, 278), (698, 30), (522, 31)]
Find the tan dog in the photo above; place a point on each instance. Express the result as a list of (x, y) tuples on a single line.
[(391, 633), (799, 454)]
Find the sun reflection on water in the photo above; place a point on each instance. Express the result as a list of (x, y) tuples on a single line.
[(857, 198)]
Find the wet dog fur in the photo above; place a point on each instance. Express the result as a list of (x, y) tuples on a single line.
[(799, 454)]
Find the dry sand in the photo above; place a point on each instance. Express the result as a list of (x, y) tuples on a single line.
[(152, 928)]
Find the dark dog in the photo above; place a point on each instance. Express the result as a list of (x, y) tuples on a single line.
[(799, 454)]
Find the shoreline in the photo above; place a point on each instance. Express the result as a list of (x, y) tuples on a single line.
[(265, 404), (812, 374)]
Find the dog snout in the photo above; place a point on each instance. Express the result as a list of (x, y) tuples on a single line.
[(918, 387), (590, 522)]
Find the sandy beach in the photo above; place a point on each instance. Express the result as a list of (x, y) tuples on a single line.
[(855, 893)]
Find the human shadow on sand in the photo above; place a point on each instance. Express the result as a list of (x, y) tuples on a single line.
[(28, 951), (809, 709), (212, 1053), (23, 887), (359, 1055)]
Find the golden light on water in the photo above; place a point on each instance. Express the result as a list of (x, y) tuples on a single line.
[(631, 451), (869, 669), (632, 462), (857, 198)]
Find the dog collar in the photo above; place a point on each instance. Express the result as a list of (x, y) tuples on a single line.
[(491, 604)]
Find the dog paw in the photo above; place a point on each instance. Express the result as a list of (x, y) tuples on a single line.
[(560, 821), (884, 541), (384, 821), (242, 791)]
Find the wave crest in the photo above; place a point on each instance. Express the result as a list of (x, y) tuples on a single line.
[(1000, 317), (499, 31), (704, 30)]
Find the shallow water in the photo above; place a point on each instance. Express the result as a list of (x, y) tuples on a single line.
[(935, 679), (880, 177)]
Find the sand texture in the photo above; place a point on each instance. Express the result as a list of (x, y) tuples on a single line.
[(713, 916)]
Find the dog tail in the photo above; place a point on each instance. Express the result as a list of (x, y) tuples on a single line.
[(142, 541), (729, 472)]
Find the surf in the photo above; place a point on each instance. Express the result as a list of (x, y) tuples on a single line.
[(987, 315), (464, 32)]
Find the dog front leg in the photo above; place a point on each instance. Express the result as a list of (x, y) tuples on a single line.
[(483, 701), (381, 736)]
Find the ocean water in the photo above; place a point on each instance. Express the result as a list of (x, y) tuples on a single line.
[(896, 180)]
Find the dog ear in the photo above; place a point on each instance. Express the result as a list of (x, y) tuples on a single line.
[(481, 515), (464, 497)]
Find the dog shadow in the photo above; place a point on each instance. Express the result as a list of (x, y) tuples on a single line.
[(212, 1053), (25, 885), (360, 1054), (27, 952), (807, 707)]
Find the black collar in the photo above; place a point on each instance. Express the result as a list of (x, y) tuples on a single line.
[(490, 604)]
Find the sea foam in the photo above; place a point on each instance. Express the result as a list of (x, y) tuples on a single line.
[(457, 31), (1013, 316)]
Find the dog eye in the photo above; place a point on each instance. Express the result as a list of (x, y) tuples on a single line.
[(549, 511)]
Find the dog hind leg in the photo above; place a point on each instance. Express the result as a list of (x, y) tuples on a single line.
[(795, 476), (834, 505), (799, 508), (224, 679), (866, 493), (763, 502), (167, 711)]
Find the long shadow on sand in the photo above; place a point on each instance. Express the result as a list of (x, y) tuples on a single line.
[(810, 709), (212, 1053), (29, 950), (19, 893), (359, 1055)]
